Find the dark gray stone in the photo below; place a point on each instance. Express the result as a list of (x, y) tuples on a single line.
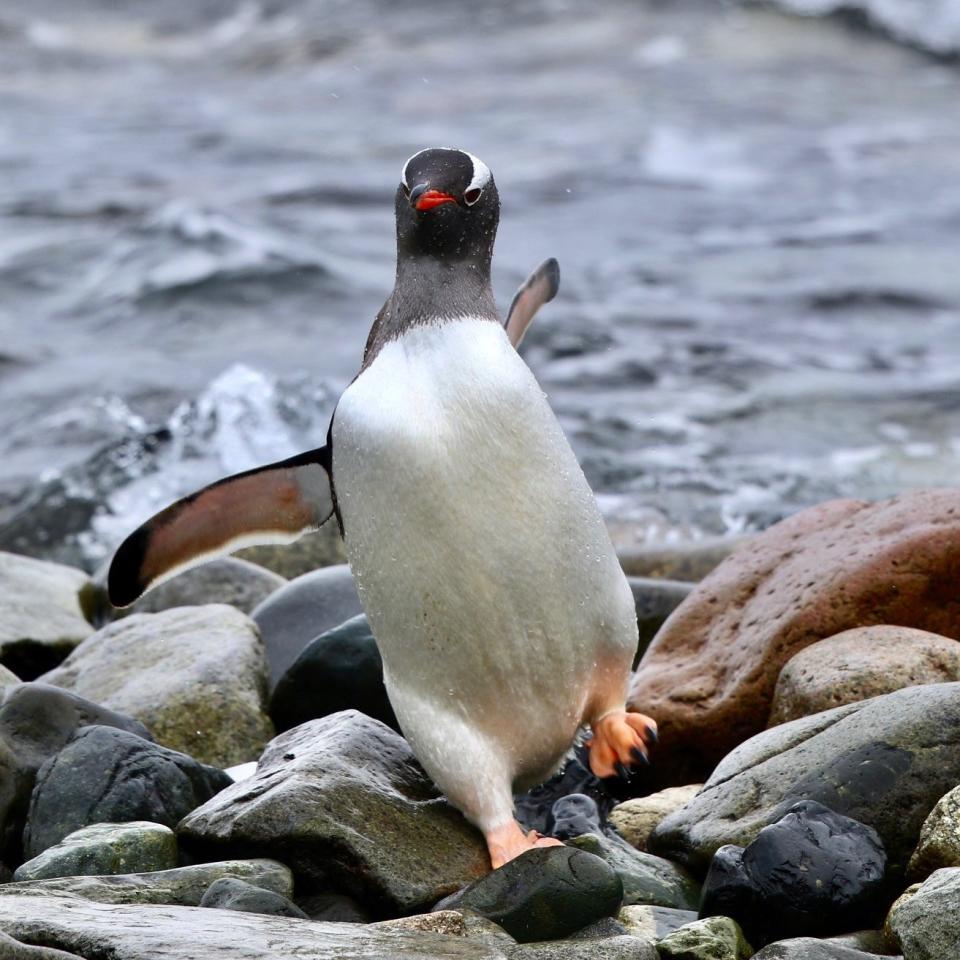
[(11, 949), (36, 721), (105, 775), (655, 600), (333, 908), (884, 762), (810, 948), (230, 893), (339, 670), (574, 816), (344, 802), (812, 873), (303, 609), (544, 894)]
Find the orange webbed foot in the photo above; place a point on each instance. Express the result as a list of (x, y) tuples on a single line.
[(620, 740), (508, 841)]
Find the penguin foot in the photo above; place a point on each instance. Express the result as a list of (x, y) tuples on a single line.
[(508, 841), (620, 740)]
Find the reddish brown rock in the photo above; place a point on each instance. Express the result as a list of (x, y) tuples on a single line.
[(858, 664), (709, 675)]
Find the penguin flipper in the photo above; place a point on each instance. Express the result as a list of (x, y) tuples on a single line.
[(539, 288), (277, 503)]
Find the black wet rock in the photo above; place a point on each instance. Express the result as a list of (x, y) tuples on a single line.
[(810, 948), (339, 670), (812, 873), (36, 721), (333, 908), (230, 893), (884, 762), (105, 775), (301, 610), (574, 816), (344, 802), (544, 894)]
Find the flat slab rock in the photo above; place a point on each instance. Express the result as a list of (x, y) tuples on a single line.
[(709, 675), (884, 762), (344, 802)]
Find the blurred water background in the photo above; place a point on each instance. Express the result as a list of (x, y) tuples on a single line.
[(756, 214)]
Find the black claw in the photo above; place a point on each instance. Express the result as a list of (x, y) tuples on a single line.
[(639, 756), (622, 772), (652, 734)]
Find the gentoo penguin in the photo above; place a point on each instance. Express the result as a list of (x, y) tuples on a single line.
[(481, 558)]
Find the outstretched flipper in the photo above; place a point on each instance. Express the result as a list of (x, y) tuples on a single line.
[(277, 503), (539, 288)]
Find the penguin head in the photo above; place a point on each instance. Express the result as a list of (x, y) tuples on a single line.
[(447, 206)]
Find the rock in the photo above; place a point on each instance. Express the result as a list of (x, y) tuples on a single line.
[(709, 675), (646, 878), (927, 924), (105, 848), (7, 679), (196, 676), (105, 775), (231, 893), (858, 664), (613, 948), (11, 949), (339, 670), (453, 923), (655, 601), (157, 932), (867, 941), (654, 923), (600, 930), (812, 873), (333, 907), (344, 802), (716, 938), (884, 762), (575, 815), (230, 580), (690, 561), (35, 723), (809, 948), (321, 549), (636, 818), (939, 844), (301, 610), (543, 894), (183, 886), (40, 616)]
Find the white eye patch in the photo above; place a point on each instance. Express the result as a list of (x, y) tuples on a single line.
[(481, 172)]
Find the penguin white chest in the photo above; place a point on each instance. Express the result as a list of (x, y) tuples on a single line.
[(481, 558)]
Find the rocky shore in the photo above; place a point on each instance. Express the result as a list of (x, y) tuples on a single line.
[(218, 773)]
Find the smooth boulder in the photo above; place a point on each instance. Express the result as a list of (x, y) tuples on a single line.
[(544, 894), (714, 938), (232, 893), (709, 675), (340, 670), (105, 848), (884, 762), (575, 815), (301, 610), (41, 619), (653, 923), (195, 676), (858, 664), (939, 844), (636, 818), (809, 948), (11, 949), (688, 561), (927, 924), (105, 775), (812, 873), (344, 802)]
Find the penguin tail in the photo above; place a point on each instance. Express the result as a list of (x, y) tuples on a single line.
[(277, 503), (539, 288)]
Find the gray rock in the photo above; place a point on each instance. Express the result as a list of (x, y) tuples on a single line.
[(600, 929), (156, 932), (106, 775), (810, 948), (690, 561), (544, 894), (716, 938), (36, 721), (927, 924), (11, 949), (884, 762), (646, 879), (333, 908), (344, 802), (41, 620), (321, 549), (574, 815), (455, 923), (105, 848), (196, 676), (613, 948), (654, 923), (655, 601), (636, 818), (867, 941), (181, 886), (303, 609), (8, 679), (230, 893), (939, 844)]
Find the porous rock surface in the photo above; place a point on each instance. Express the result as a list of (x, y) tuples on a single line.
[(636, 818), (927, 924), (195, 676), (939, 844), (884, 762), (709, 675)]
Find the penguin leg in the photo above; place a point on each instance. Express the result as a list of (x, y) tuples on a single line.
[(508, 841), (620, 740)]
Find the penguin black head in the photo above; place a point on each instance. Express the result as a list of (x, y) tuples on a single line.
[(447, 206)]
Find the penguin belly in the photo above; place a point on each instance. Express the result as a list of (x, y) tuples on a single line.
[(482, 561)]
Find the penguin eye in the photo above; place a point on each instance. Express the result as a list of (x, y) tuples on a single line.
[(472, 196)]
